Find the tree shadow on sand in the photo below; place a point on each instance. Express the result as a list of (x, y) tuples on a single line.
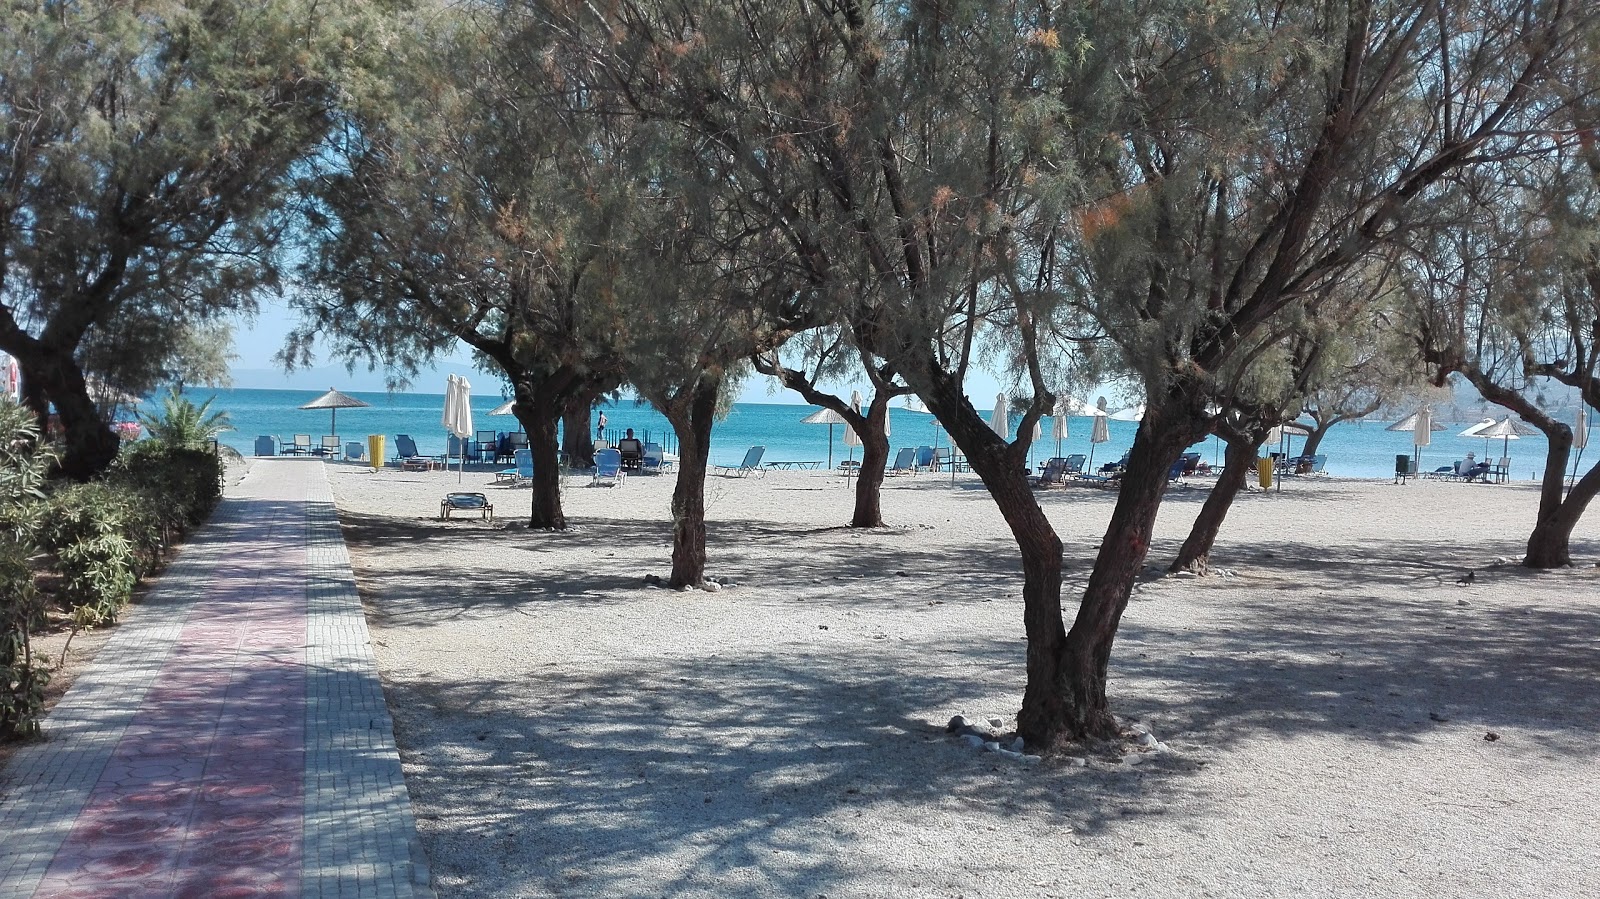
[(725, 762)]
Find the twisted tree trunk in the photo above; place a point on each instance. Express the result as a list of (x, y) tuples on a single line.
[(1195, 554)]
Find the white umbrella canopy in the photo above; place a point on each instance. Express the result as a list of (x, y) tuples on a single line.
[(1132, 413), (504, 408), (1000, 418), (333, 401), (1473, 431), (1507, 430)]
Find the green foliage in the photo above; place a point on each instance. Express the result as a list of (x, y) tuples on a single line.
[(152, 152), (183, 425), (103, 537), (22, 470)]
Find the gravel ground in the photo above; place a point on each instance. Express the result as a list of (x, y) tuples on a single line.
[(1342, 716)]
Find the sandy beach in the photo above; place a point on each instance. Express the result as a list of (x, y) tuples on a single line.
[(1342, 717)]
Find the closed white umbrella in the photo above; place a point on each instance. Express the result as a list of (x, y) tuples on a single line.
[(851, 438), (1000, 418), (1580, 438), (457, 417), (1422, 434), (1058, 421), (1101, 432), (1421, 425)]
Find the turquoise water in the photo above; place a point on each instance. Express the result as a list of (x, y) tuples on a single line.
[(1354, 450)]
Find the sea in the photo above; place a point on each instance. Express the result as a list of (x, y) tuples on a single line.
[(1354, 449)]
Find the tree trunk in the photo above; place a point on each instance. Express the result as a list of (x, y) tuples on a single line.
[(90, 444), (1046, 708), (1314, 439), (874, 458), (1549, 546), (1086, 656), (577, 435), (546, 512), (693, 428), (1195, 555)]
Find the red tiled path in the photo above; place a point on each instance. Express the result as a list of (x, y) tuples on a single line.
[(205, 790)]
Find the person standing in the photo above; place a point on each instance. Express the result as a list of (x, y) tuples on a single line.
[(600, 429)]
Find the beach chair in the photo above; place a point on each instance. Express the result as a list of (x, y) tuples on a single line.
[(653, 460), (1175, 473), (905, 462), (354, 451), (456, 448), (1054, 473), (485, 447), (1117, 466), (925, 459), (1317, 464), (300, 447), (266, 445), (521, 473), (466, 502), (941, 459), (751, 463), (607, 469), (1074, 466), (515, 441), (330, 447), (1502, 470), (632, 450)]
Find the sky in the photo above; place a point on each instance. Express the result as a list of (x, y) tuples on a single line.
[(256, 341)]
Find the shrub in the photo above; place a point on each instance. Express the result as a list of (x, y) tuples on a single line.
[(23, 675)]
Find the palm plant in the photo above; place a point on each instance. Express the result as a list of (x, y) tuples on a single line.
[(183, 424)]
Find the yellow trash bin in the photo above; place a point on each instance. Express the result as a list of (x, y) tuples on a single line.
[(375, 450), (1264, 469)]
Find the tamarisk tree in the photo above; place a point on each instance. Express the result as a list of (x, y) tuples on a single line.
[(149, 148), (469, 212)]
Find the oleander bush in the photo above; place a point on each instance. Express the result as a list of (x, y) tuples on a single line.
[(23, 675)]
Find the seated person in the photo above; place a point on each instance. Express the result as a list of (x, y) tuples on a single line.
[(632, 450), (1473, 470)]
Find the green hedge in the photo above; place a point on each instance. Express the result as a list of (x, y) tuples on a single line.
[(101, 537), (107, 534)]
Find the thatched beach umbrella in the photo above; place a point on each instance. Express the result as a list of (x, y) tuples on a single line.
[(1421, 425), (333, 401), (1506, 429), (826, 417)]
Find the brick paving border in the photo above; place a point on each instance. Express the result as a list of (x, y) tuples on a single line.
[(358, 837)]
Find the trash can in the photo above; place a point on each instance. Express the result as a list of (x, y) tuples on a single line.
[(375, 450), (1264, 471)]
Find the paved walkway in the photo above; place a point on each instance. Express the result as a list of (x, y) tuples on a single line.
[(231, 738)]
